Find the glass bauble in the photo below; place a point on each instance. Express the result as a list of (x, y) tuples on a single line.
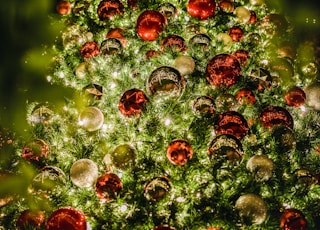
[(223, 70), (84, 173), (252, 209), (201, 9), (157, 188), (227, 147), (261, 166), (179, 152), (293, 219), (109, 8), (184, 64), (313, 96), (165, 79), (276, 115), (295, 97), (91, 119), (36, 151), (66, 218), (89, 49), (132, 102), (150, 24), (123, 156), (231, 122), (31, 219), (108, 186)]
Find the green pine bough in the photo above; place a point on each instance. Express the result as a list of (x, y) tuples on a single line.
[(198, 185)]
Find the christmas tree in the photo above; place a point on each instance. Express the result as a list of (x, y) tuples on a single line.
[(184, 115)]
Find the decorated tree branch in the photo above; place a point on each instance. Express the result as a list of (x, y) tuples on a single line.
[(196, 114)]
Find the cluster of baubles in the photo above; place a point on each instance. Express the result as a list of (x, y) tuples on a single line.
[(230, 127)]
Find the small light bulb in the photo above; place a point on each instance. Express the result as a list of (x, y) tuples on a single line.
[(167, 122)]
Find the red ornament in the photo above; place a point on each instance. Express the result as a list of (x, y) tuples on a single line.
[(253, 17), (108, 186), (132, 102), (63, 7), (132, 3), (109, 8), (226, 6), (35, 151), (89, 49), (246, 96), (276, 115), (152, 53), (31, 219), (163, 227), (233, 123), (223, 69), (65, 219), (174, 42), (201, 9), (179, 152), (150, 24), (118, 34), (236, 33), (213, 228), (295, 97), (293, 219), (242, 56)]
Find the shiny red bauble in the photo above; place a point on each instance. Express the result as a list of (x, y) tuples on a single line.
[(65, 219), (89, 49), (109, 8), (31, 219), (108, 186), (276, 115), (242, 56), (201, 9), (63, 7), (150, 24), (179, 152), (132, 102), (223, 70), (231, 122), (236, 33), (174, 42), (293, 219), (295, 97), (226, 6), (246, 96)]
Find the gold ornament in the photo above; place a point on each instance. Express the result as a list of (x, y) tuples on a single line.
[(313, 96), (84, 173), (257, 2), (226, 40), (184, 64), (261, 166), (243, 14), (91, 119), (123, 156), (252, 209)]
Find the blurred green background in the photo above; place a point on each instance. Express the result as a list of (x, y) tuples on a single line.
[(26, 30)]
